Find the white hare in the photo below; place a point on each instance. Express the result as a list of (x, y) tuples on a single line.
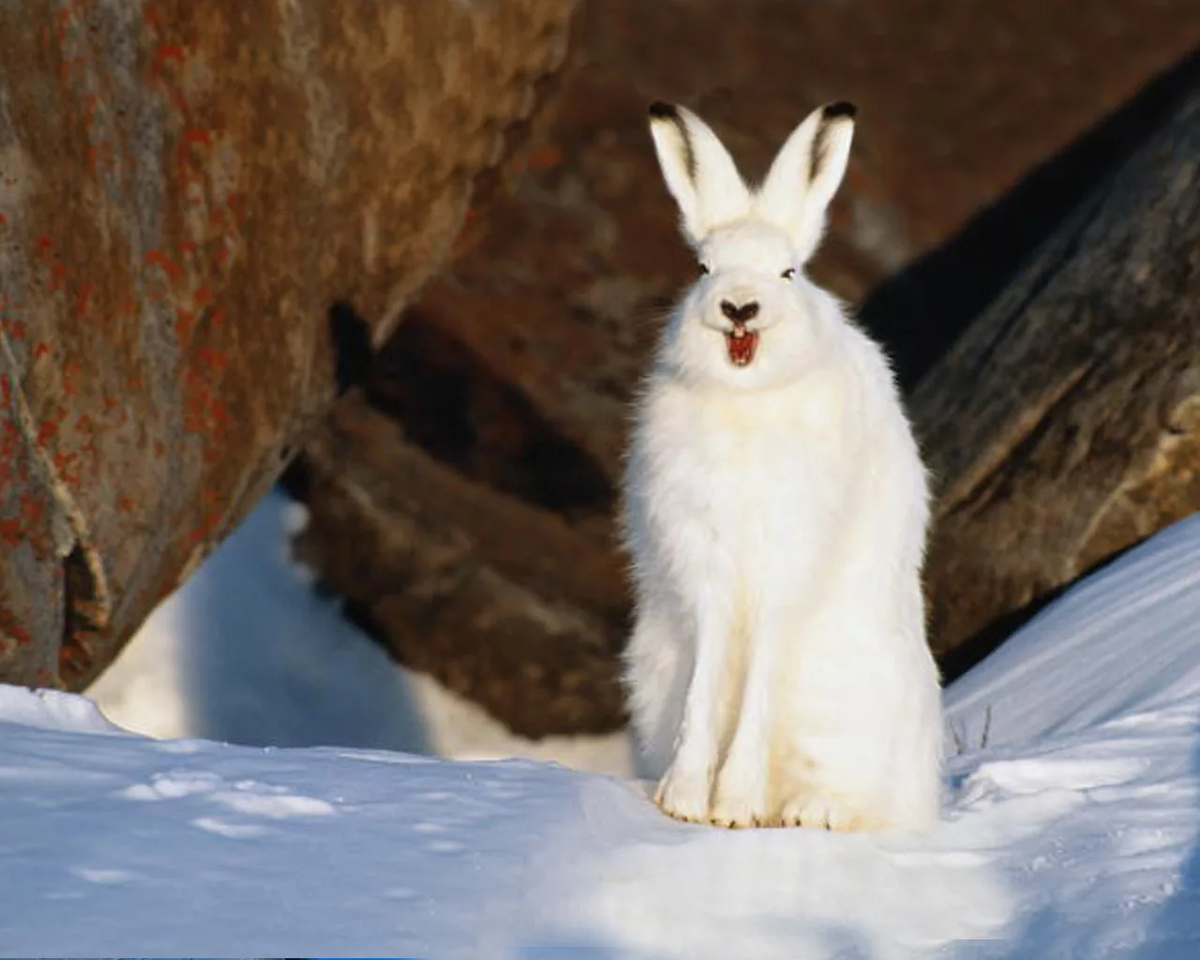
[(775, 508)]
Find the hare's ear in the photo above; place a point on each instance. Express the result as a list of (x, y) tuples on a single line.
[(698, 170), (806, 174)]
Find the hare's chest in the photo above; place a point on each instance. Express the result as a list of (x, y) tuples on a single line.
[(760, 463), (754, 472)]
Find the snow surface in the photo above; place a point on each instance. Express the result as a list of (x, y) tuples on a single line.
[(246, 652), (1072, 832)]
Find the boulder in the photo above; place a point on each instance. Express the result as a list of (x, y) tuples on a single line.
[(207, 212), (1064, 425)]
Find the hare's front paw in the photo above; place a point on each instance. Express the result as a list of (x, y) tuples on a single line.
[(683, 793), (741, 798), (827, 811)]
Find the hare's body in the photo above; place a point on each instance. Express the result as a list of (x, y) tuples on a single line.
[(776, 510)]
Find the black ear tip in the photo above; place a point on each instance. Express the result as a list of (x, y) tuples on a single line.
[(843, 108), (663, 111)]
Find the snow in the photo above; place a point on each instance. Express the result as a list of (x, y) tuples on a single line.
[(1072, 831), (246, 652)]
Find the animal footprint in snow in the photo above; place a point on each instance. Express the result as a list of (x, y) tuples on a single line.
[(173, 785), (275, 806), (243, 796)]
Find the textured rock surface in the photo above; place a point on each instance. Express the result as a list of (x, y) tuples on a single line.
[(512, 374), (1065, 425), (498, 600), (185, 190)]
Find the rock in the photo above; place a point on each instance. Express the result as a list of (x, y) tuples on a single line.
[(1064, 426), (513, 373), (504, 604), (185, 192)]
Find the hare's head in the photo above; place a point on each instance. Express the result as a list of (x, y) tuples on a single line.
[(752, 317)]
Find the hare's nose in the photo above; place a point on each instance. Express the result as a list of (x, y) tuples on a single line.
[(747, 311)]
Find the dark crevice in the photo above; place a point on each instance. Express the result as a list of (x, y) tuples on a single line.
[(350, 337), (83, 613), (921, 311), (359, 614), (456, 409), (976, 648), (980, 645), (296, 479)]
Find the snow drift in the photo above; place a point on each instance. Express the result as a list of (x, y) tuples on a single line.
[(1072, 832)]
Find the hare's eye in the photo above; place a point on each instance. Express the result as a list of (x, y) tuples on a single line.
[(789, 273), (704, 269)]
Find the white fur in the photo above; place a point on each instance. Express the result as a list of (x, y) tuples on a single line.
[(776, 515)]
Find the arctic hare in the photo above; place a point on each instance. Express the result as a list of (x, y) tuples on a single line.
[(775, 508)]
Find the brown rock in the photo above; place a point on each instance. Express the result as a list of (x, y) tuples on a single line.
[(1065, 425), (503, 603), (185, 190)]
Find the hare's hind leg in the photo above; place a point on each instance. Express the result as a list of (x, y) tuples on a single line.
[(658, 665)]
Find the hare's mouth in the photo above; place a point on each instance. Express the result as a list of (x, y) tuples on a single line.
[(741, 344)]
